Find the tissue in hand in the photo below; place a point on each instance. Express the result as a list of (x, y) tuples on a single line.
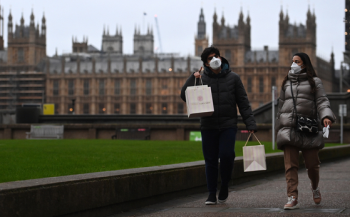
[(326, 131)]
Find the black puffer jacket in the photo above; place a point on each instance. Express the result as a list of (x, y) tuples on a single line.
[(228, 92)]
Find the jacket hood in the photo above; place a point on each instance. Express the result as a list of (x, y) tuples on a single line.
[(225, 69)]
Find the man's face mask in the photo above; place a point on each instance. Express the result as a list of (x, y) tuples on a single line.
[(215, 63)]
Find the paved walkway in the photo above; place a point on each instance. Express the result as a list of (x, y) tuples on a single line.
[(266, 197)]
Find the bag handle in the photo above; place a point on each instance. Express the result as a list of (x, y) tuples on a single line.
[(255, 138), (195, 79)]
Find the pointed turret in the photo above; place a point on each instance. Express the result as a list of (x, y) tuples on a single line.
[(281, 14), (10, 25), (43, 25), (116, 31), (215, 17), (104, 30), (248, 19), (22, 20), (108, 30), (222, 19), (32, 19)]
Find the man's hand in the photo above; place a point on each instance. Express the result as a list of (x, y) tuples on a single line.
[(326, 122), (197, 74)]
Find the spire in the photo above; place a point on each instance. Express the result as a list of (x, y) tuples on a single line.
[(308, 13), (10, 17), (22, 20), (248, 19), (215, 17), (108, 30), (222, 19), (43, 25), (281, 13), (56, 52), (104, 30), (135, 32), (43, 20), (120, 32), (116, 31), (241, 17), (32, 18), (72, 39)]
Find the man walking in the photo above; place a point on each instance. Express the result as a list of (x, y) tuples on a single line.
[(219, 130)]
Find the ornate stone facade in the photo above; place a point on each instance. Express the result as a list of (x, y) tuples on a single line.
[(262, 69)]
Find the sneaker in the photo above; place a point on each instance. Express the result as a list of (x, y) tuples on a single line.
[(223, 195), (211, 200), (316, 195), (292, 203)]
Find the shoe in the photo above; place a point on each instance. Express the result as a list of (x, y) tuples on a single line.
[(316, 195), (292, 203), (211, 200), (223, 195)]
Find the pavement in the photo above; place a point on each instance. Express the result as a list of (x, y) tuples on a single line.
[(265, 197)]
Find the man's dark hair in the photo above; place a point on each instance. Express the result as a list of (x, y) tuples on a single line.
[(207, 51)]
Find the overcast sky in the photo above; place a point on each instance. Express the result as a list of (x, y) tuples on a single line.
[(177, 21)]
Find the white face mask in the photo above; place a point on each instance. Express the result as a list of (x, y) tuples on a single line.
[(215, 63), (295, 68)]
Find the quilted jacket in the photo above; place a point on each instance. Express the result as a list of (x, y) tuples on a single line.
[(228, 92), (312, 105)]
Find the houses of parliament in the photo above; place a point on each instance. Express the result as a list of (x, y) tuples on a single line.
[(106, 81)]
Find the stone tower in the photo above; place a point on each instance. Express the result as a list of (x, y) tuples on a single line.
[(79, 47), (143, 44), (26, 44), (112, 43), (233, 42), (297, 38), (201, 39), (1, 29)]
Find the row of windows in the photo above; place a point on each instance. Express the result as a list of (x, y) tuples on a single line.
[(261, 84), (132, 108), (101, 87)]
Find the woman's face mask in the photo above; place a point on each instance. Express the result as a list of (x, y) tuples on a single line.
[(296, 68)]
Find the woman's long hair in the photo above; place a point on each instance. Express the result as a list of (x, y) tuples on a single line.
[(309, 69)]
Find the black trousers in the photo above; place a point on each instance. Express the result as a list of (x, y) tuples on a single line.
[(218, 144)]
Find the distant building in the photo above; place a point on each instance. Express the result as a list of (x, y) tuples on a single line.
[(109, 82), (262, 69), (21, 80)]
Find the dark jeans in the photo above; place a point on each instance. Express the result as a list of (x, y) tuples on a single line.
[(218, 144)]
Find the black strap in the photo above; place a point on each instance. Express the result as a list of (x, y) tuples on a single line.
[(291, 89)]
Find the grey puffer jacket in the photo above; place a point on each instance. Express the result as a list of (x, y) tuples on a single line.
[(313, 105)]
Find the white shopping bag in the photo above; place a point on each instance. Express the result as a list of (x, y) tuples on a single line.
[(199, 101), (254, 158)]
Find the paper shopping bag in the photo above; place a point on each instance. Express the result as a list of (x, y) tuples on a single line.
[(199, 101), (254, 158)]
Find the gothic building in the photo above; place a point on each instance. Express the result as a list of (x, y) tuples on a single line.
[(21, 80), (110, 82), (262, 69), (112, 43)]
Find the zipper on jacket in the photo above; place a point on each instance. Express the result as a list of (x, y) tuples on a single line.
[(217, 83)]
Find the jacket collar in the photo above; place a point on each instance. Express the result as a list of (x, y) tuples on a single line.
[(297, 77), (225, 69)]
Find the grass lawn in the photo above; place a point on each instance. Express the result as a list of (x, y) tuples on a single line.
[(30, 159)]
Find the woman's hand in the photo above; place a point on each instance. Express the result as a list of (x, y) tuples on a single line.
[(326, 122), (197, 74)]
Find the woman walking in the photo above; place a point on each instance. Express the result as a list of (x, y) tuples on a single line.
[(302, 110)]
